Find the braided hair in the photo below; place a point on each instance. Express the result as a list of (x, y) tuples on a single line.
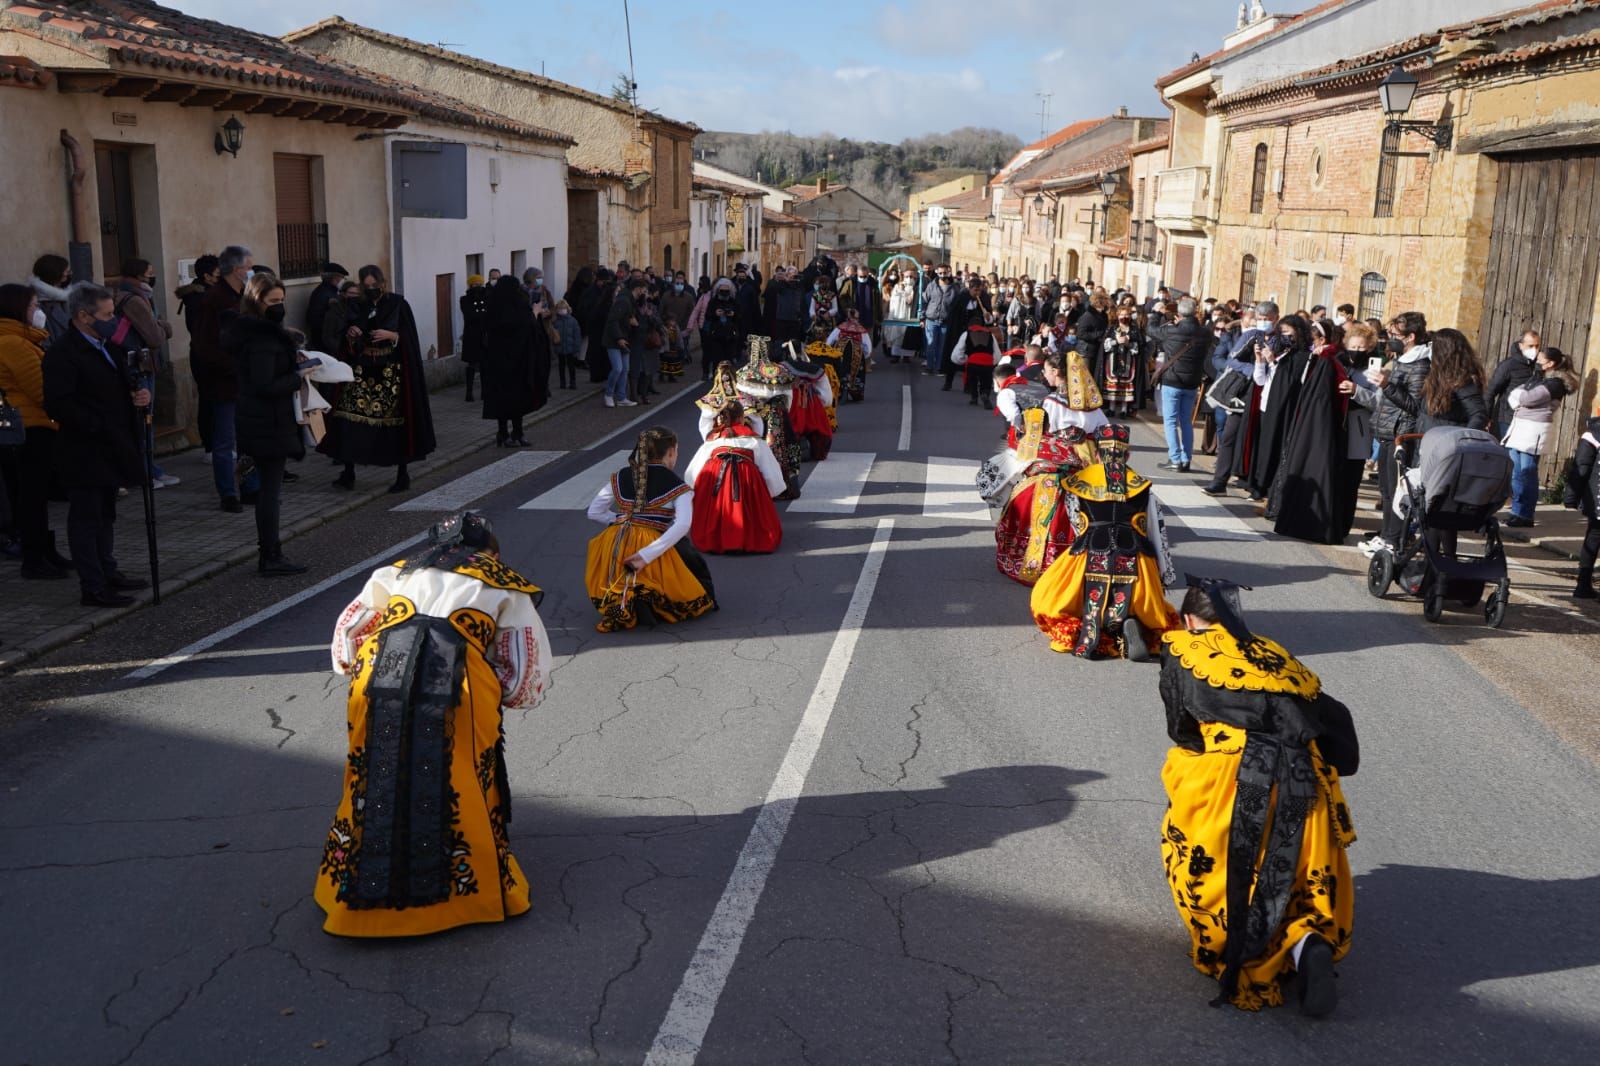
[(654, 444), (728, 415)]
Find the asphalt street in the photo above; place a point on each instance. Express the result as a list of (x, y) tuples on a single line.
[(956, 848)]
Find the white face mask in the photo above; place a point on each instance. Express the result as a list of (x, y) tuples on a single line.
[(1529, 353), (1339, 320), (39, 321)]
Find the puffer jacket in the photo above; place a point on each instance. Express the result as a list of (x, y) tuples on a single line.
[(1400, 401), (22, 371), (265, 360), (1583, 475)]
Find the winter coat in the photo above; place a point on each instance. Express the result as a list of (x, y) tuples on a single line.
[(474, 323), (676, 305), (98, 447), (317, 308), (1514, 370), (22, 371), (53, 302), (1183, 349), (189, 297), (571, 336), (1533, 410), (1400, 401), (617, 324), (213, 370), (1467, 410), (265, 358), (1582, 489), (937, 300)]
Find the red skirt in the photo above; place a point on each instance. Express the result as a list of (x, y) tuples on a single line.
[(810, 419), (733, 511), (1035, 528)]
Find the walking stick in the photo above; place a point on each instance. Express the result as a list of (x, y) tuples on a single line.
[(144, 377)]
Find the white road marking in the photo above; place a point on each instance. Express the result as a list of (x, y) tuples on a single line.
[(952, 491), (474, 486), (237, 653), (905, 419), (648, 412), (1204, 516), (678, 1040), (575, 493), (834, 485), (366, 566)]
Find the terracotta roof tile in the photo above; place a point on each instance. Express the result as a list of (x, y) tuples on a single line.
[(781, 218), (135, 35), (526, 77), (18, 72), (443, 108), (1531, 52), (1112, 158), (1205, 61)]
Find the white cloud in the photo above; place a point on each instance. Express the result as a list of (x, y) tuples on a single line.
[(1053, 56), (857, 73)]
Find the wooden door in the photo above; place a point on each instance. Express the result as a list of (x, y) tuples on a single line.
[(1542, 274), (119, 233), (1182, 273), (444, 311)]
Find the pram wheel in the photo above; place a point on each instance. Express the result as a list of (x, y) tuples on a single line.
[(1494, 612), (1380, 574), (1433, 600)]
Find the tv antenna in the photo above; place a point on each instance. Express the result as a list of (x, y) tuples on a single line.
[(1044, 112)]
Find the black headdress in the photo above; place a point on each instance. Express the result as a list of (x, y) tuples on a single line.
[(453, 541), (1224, 597)]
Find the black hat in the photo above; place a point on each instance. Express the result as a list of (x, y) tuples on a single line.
[(335, 268), (1224, 597)]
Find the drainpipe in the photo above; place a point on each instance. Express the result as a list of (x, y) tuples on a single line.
[(80, 253)]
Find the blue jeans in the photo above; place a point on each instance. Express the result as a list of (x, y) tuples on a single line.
[(617, 379), (1524, 483), (1177, 415), (931, 355), (224, 452)]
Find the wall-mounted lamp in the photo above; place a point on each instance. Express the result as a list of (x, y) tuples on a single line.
[(1395, 93), (230, 138)]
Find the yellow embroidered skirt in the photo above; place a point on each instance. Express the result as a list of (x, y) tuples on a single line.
[(1057, 602), (486, 884), (668, 586), (1194, 848)]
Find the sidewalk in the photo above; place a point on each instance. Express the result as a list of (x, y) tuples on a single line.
[(197, 540)]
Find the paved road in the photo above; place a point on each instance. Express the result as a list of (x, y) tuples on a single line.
[(957, 830)]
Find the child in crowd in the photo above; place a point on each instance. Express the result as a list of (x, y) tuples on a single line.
[(571, 343)]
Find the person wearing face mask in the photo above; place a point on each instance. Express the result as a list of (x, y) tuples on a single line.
[(545, 336), (216, 376), (1343, 315), (270, 372), (678, 300), (29, 467), (86, 392), (51, 276), (938, 298), (860, 291), (382, 418), (1517, 369)]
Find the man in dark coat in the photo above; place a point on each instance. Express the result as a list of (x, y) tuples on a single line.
[(474, 327), (1182, 348), (216, 376), (1313, 472), (1519, 367), (333, 276), (592, 309), (86, 390), (959, 314)]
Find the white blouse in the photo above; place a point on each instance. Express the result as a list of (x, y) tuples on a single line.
[(766, 462), (1059, 416), (601, 510), (519, 653)]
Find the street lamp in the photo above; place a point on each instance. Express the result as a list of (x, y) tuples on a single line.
[(1395, 93), (1109, 186), (231, 137)]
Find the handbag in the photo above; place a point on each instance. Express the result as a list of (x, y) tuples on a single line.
[(12, 431), (1229, 391)]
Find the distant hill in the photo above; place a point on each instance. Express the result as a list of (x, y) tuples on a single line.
[(885, 173)]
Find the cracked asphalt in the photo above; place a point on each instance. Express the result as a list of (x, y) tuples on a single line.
[(971, 876)]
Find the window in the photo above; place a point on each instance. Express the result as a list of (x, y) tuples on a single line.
[(1298, 280), (302, 240), (1374, 291), (519, 263), (1247, 280), (1139, 207), (475, 264), (1388, 165), (444, 313), (1258, 181), (841, 242), (666, 258), (872, 237), (1322, 290)]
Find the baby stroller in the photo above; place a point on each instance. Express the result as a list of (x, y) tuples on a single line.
[(1462, 479)]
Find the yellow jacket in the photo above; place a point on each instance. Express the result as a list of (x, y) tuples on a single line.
[(22, 371)]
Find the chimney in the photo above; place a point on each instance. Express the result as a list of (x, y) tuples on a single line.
[(1122, 112), (822, 184)]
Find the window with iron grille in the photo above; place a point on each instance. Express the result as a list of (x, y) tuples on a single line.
[(1258, 181), (1247, 280), (1374, 294), (1388, 169), (302, 240)]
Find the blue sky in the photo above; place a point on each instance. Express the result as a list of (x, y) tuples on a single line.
[(866, 70)]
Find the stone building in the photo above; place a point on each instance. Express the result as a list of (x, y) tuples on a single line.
[(1147, 244), (629, 182), (966, 246), (1316, 199), (845, 218), (786, 240)]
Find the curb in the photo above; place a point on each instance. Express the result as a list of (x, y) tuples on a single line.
[(14, 656)]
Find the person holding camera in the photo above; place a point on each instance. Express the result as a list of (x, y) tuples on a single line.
[(269, 372), (87, 391)]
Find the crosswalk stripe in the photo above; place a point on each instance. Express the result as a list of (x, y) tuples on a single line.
[(952, 491), (1204, 516), (575, 493), (478, 484), (834, 485)]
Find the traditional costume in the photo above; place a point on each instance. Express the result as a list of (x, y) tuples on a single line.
[(1105, 597), (977, 350), (735, 477), (1077, 403), (810, 401), (1015, 395), (434, 648), (675, 583), (855, 347), (765, 388), (1272, 404), (1039, 519), (824, 309), (382, 418), (1311, 483), (723, 389), (1257, 826)]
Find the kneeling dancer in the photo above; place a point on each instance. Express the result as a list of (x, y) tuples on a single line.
[(435, 648), (735, 476), (641, 562), (1256, 829)]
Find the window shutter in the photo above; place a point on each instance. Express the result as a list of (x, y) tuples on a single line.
[(292, 180)]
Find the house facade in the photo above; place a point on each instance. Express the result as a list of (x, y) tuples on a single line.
[(846, 219), (114, 151), (630, 179)]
